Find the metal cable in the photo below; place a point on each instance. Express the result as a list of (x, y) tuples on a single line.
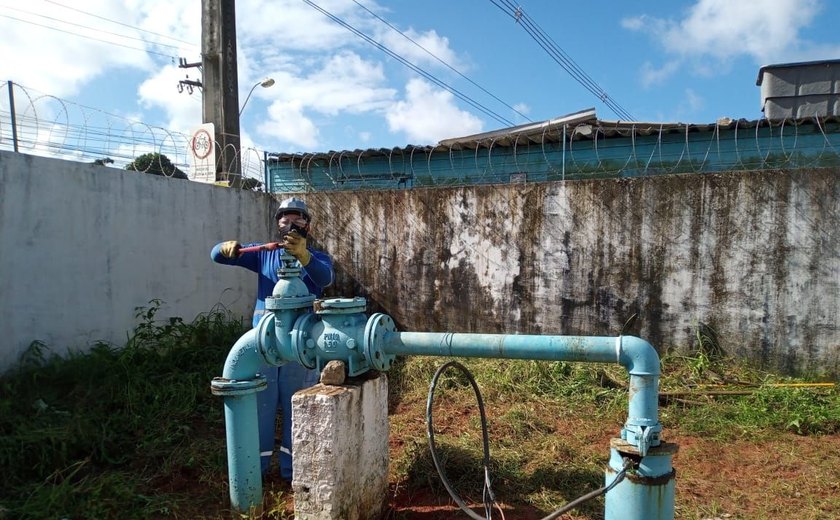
[(628, 463), (450, 67), (475, 104)]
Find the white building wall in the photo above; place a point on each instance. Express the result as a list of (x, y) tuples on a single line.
[(82, 245)]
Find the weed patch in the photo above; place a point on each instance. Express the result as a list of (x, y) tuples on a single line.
[(134, 432), (110, 431)]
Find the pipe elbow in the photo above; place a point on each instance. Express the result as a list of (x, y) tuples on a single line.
[(244, 359), (637, 356)]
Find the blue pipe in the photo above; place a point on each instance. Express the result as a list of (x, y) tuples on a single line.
[(269, 343), (287, 335), (239, 385), (244, 359), (647, 493), (637, 355)]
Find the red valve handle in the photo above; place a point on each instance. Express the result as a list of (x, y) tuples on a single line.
[(270, 246)]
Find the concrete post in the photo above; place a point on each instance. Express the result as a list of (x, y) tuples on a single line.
[(340, 446)]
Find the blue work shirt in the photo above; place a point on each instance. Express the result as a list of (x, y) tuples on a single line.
[(317, 274)]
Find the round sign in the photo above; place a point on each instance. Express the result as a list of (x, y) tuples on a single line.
[(202, 144)]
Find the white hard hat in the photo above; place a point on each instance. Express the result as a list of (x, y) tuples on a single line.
[(292, 204)]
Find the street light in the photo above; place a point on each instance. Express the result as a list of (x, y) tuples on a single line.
[(267, 82)]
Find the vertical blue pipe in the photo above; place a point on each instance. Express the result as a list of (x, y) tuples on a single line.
[(243, 453), (239, 384), (647, 493), (269, 342)]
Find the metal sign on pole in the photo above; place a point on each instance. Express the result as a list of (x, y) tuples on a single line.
[(202, 149)]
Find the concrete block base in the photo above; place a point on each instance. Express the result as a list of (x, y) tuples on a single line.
[(340, 446)]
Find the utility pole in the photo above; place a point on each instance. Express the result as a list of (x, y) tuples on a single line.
[(221, 86)]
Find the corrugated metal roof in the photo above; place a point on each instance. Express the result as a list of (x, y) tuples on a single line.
[(578, 126)]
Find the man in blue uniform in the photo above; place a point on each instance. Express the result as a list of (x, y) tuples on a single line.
[(317, 273)]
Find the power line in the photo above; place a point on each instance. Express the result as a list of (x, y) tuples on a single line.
[(120, 23), (88, 37), (93, 28), (565, 61), (478, 106), (430, 53), (560, 56)]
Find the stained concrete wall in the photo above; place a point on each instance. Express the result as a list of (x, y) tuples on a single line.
[(82, 245), (753, 255)]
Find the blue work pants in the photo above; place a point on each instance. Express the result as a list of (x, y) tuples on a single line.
[(283, 382)]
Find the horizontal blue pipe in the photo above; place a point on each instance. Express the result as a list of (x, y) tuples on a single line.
[(635, 354)]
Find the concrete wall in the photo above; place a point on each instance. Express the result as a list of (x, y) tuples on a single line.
[(752, 254), (83, 245)]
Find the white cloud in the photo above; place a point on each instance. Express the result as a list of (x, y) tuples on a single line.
[(289, 124), (346, 83), (652, 75), (695, 101), (762, 29), (61, 60), (522, 107), (283, 25), (342, 83), (183, 109), (634, 23), (714, 32), (437, 46), (322, 71), (427, 116)]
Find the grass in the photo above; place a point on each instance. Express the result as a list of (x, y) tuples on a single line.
[(112, 433), (550, 425), (134, 433)]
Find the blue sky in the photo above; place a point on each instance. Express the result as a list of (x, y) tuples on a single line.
[(686, 61)]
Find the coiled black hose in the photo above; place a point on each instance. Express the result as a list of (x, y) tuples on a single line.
[(488, 496)]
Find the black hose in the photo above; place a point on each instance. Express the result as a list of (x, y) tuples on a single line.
[(593, 494), (488, 496)]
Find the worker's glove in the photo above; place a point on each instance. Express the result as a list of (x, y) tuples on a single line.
[(230, 249), (296, 246)]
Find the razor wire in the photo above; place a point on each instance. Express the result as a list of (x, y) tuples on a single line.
[(720, 148), (48, 126), (583, 151)]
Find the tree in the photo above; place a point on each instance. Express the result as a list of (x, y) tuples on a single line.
[(156, 164)]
